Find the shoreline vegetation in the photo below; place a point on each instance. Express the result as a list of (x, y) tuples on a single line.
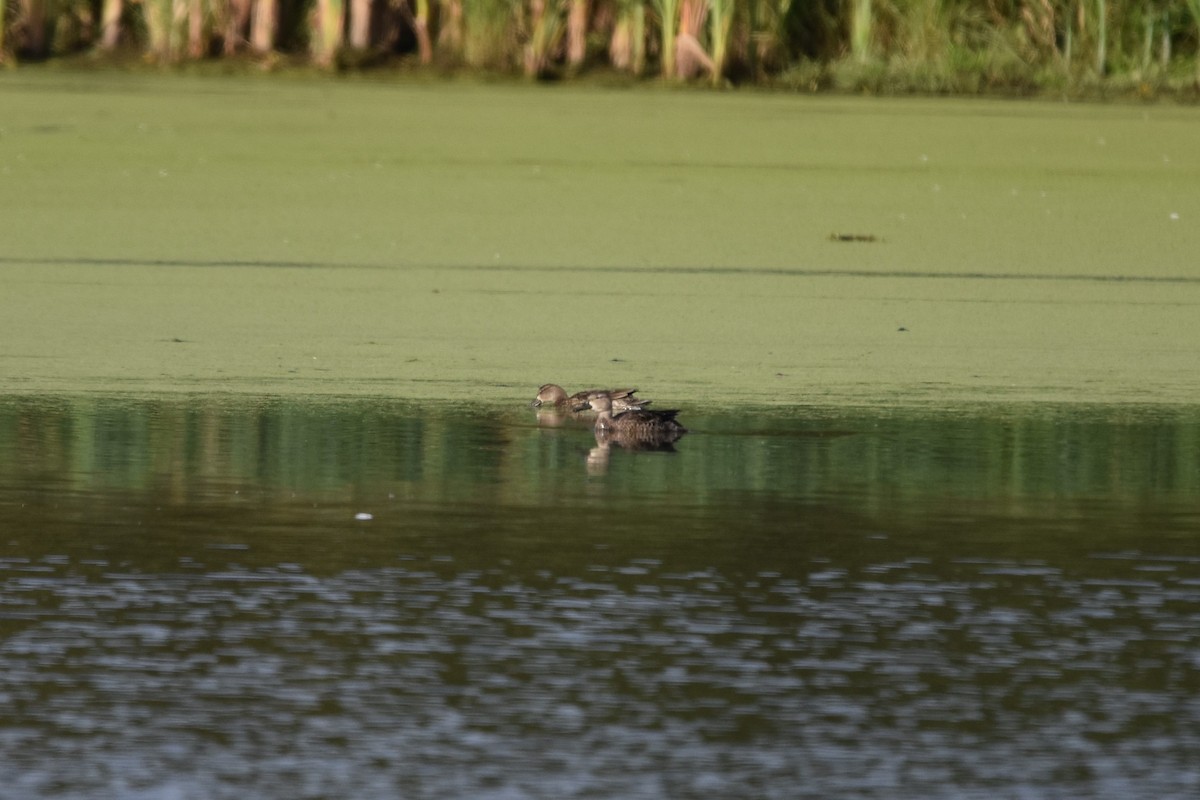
[(1087, 49)]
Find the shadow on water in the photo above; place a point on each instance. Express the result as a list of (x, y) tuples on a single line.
[(224, 597)]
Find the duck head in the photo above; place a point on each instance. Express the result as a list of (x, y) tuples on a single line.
[(549, 394)]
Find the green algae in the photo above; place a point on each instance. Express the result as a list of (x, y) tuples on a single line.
[(205, 235)]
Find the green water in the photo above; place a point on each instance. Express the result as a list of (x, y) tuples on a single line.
[(453, 241)]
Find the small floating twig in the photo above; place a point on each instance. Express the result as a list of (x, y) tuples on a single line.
[(854, 237)]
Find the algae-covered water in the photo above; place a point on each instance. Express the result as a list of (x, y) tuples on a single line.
[(164, 233)]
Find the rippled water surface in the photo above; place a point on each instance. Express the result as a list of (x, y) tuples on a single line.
[(230, 598)]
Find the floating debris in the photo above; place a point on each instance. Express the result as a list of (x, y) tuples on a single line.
[(854, 237), (363, 515)]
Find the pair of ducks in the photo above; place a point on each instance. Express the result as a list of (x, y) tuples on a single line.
[(620, 416)]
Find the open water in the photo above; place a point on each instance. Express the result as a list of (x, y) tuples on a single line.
[(220, 597)]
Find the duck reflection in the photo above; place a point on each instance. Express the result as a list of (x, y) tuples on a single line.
[(598, 456), (556, 418)]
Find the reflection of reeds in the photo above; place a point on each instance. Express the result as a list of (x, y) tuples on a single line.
[(445, 452)]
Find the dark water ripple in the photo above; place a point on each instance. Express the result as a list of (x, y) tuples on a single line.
[(633, 682)]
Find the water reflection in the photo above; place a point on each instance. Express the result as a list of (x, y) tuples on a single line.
[(790, 605)]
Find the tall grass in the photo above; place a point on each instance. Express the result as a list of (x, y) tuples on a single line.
[(720, 17), (328, 18), (627, 45), (860, 31), (1194, 8), (158, 29), (546, 29), (577, 25), (489, 39), (31, 22), (668, 22), (873, 45), (264, 26)]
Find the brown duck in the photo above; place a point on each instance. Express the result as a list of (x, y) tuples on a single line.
[(634, 428), (551, 394)]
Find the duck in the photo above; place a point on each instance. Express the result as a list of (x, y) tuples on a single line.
[(635, 429), (551, 394)]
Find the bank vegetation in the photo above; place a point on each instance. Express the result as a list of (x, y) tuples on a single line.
[(1146, 47)]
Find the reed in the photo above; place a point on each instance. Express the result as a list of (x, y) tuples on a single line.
[(577, 25), (872, 45), (31, 21), (360, 24), (489, 40), (627, 44), (451, 29), (720, 18), (860, 31), (235, 23), (325, 38), (668, 21), (1194, 8), (196, 39), (421, 31), (264, 26), (546, 29), (691, 59), (158, 29)]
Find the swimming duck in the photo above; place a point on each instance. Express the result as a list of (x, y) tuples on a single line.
[(636, 428), (551, 394)]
